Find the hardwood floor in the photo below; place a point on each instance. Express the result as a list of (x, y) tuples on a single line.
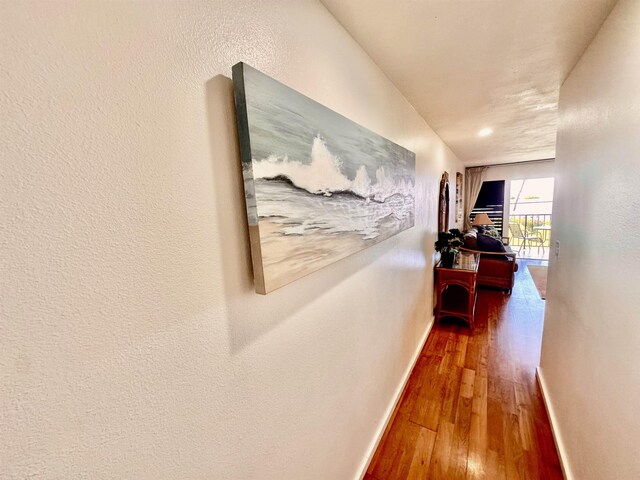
[(472, 408)]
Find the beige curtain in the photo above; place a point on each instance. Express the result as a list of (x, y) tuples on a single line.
[(472, 183)]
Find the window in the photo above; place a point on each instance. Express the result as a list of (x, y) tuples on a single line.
[(491, 201)]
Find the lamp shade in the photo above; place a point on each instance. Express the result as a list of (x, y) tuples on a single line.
[(481, 219)]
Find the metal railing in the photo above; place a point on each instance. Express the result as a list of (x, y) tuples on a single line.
[(534, 225)]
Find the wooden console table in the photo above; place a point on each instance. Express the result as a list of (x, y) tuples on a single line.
[(456, 288)]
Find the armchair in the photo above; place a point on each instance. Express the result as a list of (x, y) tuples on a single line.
[(496, 269)]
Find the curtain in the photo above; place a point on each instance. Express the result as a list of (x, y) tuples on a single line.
[(472, 183)]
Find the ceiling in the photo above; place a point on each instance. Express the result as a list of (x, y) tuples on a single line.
[(466, 65)]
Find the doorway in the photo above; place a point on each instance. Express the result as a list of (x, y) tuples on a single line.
[(530, 217)]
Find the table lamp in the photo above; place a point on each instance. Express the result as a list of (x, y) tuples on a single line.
[(481, 219)]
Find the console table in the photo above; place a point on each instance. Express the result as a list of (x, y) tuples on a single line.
[(456, 288)]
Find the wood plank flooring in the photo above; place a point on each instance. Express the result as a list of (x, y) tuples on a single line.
[(472, 408)]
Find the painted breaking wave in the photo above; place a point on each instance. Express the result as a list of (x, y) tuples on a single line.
[(323, 176)]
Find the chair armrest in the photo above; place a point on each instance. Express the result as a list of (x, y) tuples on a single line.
[(511, 255)]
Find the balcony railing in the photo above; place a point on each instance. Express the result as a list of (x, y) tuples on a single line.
[(532, 225)]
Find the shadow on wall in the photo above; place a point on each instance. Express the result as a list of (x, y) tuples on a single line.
[(431, 258), (251, 315)]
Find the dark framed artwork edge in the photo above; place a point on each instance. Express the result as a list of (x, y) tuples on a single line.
[(244, 140)]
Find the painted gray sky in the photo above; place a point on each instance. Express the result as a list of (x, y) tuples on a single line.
[(285, 122)]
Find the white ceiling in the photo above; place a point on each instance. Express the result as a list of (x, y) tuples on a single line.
[(470, 64)]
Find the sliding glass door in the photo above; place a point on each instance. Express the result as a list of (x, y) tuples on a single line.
[(530, 216)]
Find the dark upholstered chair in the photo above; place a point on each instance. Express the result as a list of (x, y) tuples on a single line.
[(496, 269)]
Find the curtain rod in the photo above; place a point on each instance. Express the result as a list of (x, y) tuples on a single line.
[(513, 163)]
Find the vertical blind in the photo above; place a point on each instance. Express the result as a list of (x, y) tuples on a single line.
[(491, 201)]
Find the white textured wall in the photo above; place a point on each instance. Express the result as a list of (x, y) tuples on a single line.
[(591, 346), (519, 171), (131, 342)]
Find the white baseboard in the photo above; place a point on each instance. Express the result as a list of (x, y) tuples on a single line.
[(392, 405), (557, 438)]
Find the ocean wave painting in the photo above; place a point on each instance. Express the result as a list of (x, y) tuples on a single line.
[(318, 186)]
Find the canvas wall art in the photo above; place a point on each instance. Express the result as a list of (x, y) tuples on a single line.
[(459, 204), (318, 186)]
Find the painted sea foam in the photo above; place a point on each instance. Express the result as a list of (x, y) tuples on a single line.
[(318, 186), (317, 196)]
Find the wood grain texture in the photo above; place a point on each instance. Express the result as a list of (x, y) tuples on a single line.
[(472, 408)]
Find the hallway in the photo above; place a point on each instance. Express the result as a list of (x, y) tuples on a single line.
[(472, 407)]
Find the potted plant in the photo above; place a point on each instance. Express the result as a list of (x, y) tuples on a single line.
[(448, 245)]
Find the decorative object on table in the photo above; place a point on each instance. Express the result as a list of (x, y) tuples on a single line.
[(318, 186), (459, 204), (448, 244), (443, 204)]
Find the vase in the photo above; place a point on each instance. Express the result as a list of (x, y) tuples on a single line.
[(447, 259)]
